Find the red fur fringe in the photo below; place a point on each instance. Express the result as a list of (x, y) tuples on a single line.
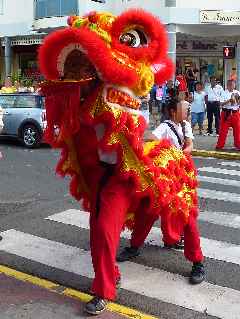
[(165, 72), (154, 29), (109, 70)]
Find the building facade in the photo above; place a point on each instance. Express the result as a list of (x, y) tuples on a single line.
[(198, 31)]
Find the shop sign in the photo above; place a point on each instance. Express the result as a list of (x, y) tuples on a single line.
[(198, 46), (220, 17)]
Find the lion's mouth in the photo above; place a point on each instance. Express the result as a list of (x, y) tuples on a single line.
[(77, 67)]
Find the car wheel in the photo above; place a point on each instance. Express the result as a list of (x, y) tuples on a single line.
[(31, 136)]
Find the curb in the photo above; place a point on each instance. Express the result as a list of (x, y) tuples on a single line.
[(216, 154), (72, 293)]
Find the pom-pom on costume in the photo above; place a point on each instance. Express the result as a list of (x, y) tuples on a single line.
[(95, 69)]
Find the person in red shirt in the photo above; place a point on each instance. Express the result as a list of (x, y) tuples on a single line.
[(181, 82)]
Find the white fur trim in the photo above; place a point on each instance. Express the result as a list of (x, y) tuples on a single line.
[(64, 54)]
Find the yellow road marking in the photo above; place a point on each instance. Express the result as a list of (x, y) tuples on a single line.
[(28, 278), (216, 154), (83, 297)]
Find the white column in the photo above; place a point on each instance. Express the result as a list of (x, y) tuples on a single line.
[(238, 65), (7, 56), (172, 38)]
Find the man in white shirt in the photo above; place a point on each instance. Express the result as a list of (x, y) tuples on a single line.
[(213, 96), (230, 115)]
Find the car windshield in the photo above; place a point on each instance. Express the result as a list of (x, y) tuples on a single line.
[(27, 101)]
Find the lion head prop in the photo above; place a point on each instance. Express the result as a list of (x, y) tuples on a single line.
[(96, 68)]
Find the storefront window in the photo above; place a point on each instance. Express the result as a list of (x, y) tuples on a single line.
[(204, 67), (50, 8), (29, 66)]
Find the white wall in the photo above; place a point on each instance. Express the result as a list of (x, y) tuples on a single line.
[(210, 4), (17, 17), (15, 11), (117, 6)]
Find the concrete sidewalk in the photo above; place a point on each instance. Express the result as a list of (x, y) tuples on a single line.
[(205, 146), (23, 296)]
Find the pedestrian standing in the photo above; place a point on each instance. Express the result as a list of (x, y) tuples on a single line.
[(191, 78), (213, 95), (144, 108), (169, 92), (198, 107), (230, 115), (159, 97), (181, 82), (152, 100), (178, 131)]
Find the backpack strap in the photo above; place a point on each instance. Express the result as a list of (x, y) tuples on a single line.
[(175, 132)]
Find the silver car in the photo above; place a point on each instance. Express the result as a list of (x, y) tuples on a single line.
[(24, 117)]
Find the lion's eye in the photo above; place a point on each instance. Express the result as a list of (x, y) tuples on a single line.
[(134, 38)]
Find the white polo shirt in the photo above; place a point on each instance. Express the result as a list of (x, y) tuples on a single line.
[(226, 95), (164, 131), (214, 94)]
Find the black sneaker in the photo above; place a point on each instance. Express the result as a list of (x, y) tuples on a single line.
[(96, 306), (179, 245), (128, 253), (197, 274)]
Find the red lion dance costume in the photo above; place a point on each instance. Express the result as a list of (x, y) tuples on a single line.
[(95, 68)]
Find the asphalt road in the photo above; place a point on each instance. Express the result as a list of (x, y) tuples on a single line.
[(30, 191)]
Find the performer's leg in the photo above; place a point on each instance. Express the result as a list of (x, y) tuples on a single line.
[(236, 129), (193, 251), (105, 234), (142, 227), (192, 248), (224, 127)]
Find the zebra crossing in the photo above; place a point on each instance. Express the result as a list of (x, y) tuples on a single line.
[(211, 299)]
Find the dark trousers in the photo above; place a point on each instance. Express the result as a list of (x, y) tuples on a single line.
[(213, 109)]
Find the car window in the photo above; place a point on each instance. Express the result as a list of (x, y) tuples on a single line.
[(7, 101), (25, 102)]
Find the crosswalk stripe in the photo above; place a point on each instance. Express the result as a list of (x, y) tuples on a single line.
[(154, 283), (223, 196), (218, 170), (219, 181), (234, 164), (221, 218), (211, 248)]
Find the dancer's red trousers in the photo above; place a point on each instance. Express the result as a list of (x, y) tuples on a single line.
[(105, 229), (233, 120), (192, 248)]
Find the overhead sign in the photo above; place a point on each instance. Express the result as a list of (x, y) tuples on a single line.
[(220, 17), (229, 52)]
